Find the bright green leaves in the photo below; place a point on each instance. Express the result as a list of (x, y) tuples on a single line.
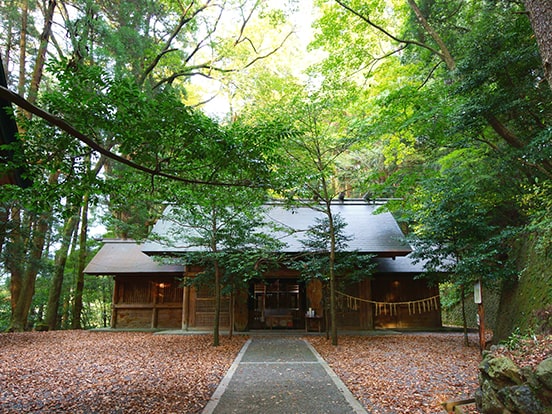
[(463, 219)]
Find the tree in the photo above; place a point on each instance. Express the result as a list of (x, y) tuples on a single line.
[(223, 233), (540, 15), (463, 223), (445, 79), (97, 38), (318, 137), (317, 261)]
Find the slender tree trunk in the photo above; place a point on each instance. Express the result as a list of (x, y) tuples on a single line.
[(61, 259), (9, 40), (14, 256), (41, 54), (79, 288), (23, 47), (464, 320), (232, 307), (106, 297), (332, 276), (4, 219), (445, 54), (216, 327)]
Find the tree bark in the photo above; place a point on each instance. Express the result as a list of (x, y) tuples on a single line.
[(464, 319), (23, 48), (23, 305), (14, 256), (540, 15), (57, 281), (445, 54), (41, 54), (333, 293), (216, 325), (6, 58), (4, 217), (79, 288)]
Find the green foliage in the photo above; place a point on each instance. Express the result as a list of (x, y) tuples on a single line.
[(223, 227), (5, 306), (450, 294), (463, 221), (314, 263), (537, 200), (515, 339), (531, 290)]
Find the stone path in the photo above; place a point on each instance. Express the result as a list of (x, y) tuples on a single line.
[(281, 376)]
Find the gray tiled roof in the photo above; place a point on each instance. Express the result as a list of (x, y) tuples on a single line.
[(126, 257), (370, 233), (399, 265)]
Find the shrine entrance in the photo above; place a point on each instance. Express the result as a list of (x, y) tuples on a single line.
[(277, 304)]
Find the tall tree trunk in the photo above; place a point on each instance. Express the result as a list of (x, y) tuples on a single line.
[(79, 288), (41, 54), (61, 259), (105, 300), (232, 309), (333, 290), (540, 15), (14, 256), (23, 48), (216, 325), (9, 40), (464, 319), (38, 236)]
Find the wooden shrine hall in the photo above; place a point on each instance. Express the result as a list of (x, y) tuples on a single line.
[(150, 295)]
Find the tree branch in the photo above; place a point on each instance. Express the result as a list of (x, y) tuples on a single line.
[(388, 34), (184, 19), (68, 128), (444, 54)]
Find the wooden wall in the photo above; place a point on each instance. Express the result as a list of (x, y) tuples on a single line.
[(153, 302), (202, 309), (353, 314), (395, 288), (150, 302)]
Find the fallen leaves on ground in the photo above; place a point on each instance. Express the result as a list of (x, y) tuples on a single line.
[(122, 372), (408, 373), (529, 352), (104, 372)]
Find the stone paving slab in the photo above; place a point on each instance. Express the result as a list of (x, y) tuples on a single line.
[(281, 376)]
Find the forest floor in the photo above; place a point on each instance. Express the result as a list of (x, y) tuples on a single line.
[(106, 372)]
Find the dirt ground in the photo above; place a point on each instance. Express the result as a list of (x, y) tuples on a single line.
[(105, 372)]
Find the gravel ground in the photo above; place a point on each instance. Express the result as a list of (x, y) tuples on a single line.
[(104, 372)]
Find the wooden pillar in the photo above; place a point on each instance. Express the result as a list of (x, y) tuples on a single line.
[(185, 308), (478, 298), (155, 291), (241, 312), (366, 313), (114, 300)]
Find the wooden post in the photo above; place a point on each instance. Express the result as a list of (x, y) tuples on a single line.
[(185, 307), (154, 305), (478, 298), (114, 301), (481, 317)]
